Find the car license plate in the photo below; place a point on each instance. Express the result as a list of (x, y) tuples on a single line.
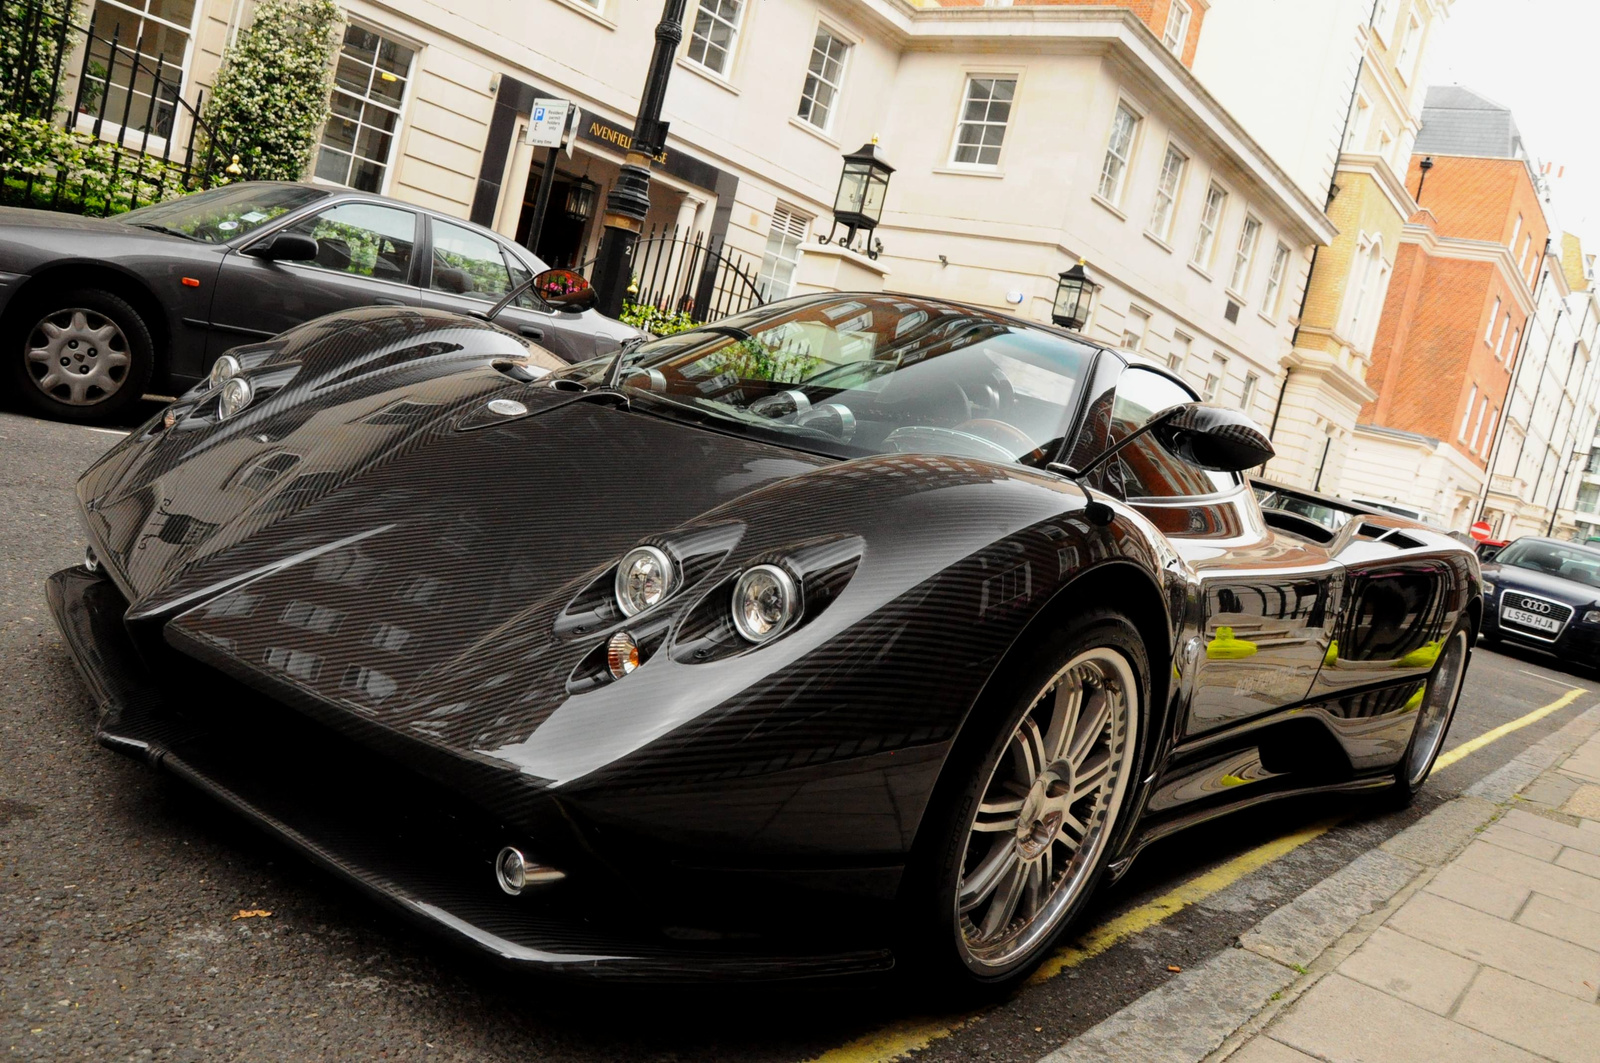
[(1533, 620)]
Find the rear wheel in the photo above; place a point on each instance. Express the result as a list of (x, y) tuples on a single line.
[(1026, 838), (1438, 708), (81, 355)]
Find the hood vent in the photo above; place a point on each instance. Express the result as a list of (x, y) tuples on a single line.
[(403, 412)]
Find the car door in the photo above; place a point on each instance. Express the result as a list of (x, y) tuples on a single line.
[(1263, 605), (469, 271), (366, 256)]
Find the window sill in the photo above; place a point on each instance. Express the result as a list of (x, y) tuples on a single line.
[(821, 134), (710, 75), (1108, 205), (590, 12), (1268, 318), (1236, 297), (958, 170), (1154, 239), (1202, 271)]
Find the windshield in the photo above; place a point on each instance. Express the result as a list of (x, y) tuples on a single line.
[(223, 214), (869, 374), (1578, 563)]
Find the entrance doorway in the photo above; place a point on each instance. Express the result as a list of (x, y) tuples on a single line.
[(563, 239)]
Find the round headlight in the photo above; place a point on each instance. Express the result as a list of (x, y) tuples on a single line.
[(224, 369), (236, 395), (644, 578), (765, 602)]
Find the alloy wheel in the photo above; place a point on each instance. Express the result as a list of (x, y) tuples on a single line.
[(1433, 716), (1048, 810), (77, 356)]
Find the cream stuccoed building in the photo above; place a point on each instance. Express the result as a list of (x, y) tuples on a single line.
[(1024, 138)]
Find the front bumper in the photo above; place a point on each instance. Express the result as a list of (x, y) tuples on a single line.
[(401, 838), (1577, 643)]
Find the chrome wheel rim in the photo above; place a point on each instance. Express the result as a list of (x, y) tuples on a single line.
[(77, 356), (1434, 713), (1047, 811)]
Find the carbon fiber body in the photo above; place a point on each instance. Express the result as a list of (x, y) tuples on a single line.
[(371, 613)]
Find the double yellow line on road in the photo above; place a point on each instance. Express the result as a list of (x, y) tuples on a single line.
[(902, 1038)]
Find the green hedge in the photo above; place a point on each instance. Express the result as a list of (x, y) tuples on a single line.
[(95, 174)]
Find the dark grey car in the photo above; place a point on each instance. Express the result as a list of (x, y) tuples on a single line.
[(95, 311)]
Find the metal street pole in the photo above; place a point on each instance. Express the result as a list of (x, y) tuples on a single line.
[(628, 202)]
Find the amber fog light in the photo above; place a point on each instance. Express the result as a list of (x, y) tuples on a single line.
[(622, 654)]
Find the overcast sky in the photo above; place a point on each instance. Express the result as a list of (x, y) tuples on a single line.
[(1539, 58)]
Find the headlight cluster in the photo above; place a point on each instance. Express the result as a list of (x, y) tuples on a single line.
[(644, 578), (225, 368), (236, 395), (765, 602), (1592, 616)]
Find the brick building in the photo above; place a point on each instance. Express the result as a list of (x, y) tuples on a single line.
[(1477, 286)]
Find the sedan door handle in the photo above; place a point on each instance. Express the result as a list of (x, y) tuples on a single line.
[(533, 332), (388, 302)]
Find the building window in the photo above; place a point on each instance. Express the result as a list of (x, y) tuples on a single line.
[(1355, 137), (1500, 343), (160, 29), (984, 114), (1167, 186), (1210, 217), (369, 89), (784, 241), (1472, 397), (1511, 351), (1177, 30), (1522, 259), (1244, 255), (1370, 273), (1247, 397), (1135, 327), (1494, 312), (1280, 266), (1383, 17), (1488, 437), (1385, 139), (1407, 58), (716, 29), (1214, 379), (1123, 126), (1511, 245), (824, 78), (1477, 427), (1178, 357)]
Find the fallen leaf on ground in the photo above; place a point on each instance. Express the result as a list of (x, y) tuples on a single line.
[(252, 913), (1174, 968)]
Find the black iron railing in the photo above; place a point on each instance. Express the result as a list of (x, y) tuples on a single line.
[(97, 124), (688, 273)]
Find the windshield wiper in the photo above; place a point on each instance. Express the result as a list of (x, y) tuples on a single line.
[(153, 227)]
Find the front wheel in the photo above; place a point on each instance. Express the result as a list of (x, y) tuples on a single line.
[(1437, 709), (81, 355), (1026, 840)]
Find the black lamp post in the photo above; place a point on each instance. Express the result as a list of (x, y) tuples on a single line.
[(628, 202), (1074, 292), (1422, 178), (580, 199), (858, 205)]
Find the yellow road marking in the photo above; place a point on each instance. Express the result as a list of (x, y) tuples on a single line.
[(902, 1038), (1474, 744)]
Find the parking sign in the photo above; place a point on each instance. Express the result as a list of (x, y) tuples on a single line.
[(547, 123)]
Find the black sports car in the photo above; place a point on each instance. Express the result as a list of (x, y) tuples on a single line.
[(95, 311), (852, 629), (1545, 594)]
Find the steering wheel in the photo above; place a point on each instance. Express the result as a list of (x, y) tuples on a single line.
[(992, 397), (1009, 437), (930, 439)]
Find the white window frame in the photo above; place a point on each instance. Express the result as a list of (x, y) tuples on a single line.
[(110, 127), (1472, 399), (1477, 427), (1494, 415), (1178, 355), (1406, 59), (1216, 377), (1500, 341), (1276, 274), (1118, 180), (1516, 230), (1176, 31), (1367, 276), (961, 117), (838, 88), (1144, 333), (798, 226), (1247, 393), (1355, 138), (1164, 207), (1511, 352), (1494, 312), (1244, 254), (737, 30), (1205, 240), (400, 111), (1381, 14)]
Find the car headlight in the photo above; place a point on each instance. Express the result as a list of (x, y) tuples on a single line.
[(765, 603), (1592, 617), (225, 368), (644, 578), (236, 395)]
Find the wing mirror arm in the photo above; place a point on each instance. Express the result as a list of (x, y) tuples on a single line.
[(1097, 511)]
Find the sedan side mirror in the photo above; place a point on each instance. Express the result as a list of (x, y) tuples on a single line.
[(565, 290), (1213, 437), (286, 247)]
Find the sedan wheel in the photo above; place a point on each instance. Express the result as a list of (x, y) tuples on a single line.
[(77, 356), (1048, 811)]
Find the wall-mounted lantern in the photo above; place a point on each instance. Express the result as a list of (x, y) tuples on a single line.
[(1074, 294), (858, 205)]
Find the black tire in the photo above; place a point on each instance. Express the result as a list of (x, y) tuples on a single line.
[(939, 950), (115, 362), (1425, 744)]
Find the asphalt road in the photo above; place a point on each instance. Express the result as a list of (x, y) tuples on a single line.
[(119, 889)]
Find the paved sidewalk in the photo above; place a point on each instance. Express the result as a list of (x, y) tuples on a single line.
[(1473, 935)]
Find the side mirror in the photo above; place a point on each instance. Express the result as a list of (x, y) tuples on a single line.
[(565, 290), (1213, 437), (286, 247)]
